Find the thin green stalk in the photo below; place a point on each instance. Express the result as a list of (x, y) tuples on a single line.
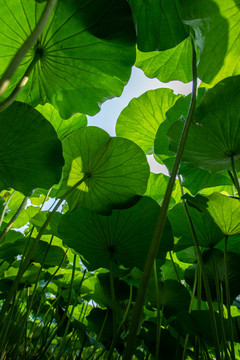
[(220, 307), (235, 177), (205, 282), (58, 357), (98, 337), (64, 315), (34, 246), (114, 312), (5, 207), (13, 219), (158, 311), (161, 220), (12, 67), (12, 97), (227, 289), (189, 311), (174, 266), (30, 303)]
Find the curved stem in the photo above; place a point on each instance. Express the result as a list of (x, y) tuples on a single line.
[(161, 220), (11, 222), (27, 260), (12, 67), (11, 98)]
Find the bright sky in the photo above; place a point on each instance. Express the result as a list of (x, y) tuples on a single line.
[(137, 85)]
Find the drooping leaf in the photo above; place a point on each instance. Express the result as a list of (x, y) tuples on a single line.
[(86, 52), (117, 167), (214, 135), (223, 210), (158, 24), (31, 154), (208, 233), (140, 120), (215, 24), (62, 127), (162, 64), (123, 238)]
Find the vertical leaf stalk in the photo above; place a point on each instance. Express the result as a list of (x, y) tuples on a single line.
[(156, 241)]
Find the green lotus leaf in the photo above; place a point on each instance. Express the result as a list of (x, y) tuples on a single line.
[(162, 64), (207, 232), (123, 238), (55, 254), (157, 185), (39, 219), (172, 295), (170, 347), (161, 142), (214, 136), (140, 120), (117, 167), (223, 210), (31, 154), (199, 180), (158, 24), (62, 127), (215, 270), (86, 52), (97, 288), (215, 24)]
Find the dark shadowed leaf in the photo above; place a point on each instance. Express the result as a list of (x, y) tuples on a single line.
[(122, 238), (215, 271), (208, 234), (62, 127), (31, 154), (172, 295), (158, 24), (215, 24), (87, 51), (118, 170)]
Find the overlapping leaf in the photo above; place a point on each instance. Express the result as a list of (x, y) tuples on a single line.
[(140, 120), (216, 27), (62, 127), (122, 238), (118, 170), (168, 65), (87, 51), (31, 154), (214, 136), (207, 232), (223, 210), (158, 24)]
